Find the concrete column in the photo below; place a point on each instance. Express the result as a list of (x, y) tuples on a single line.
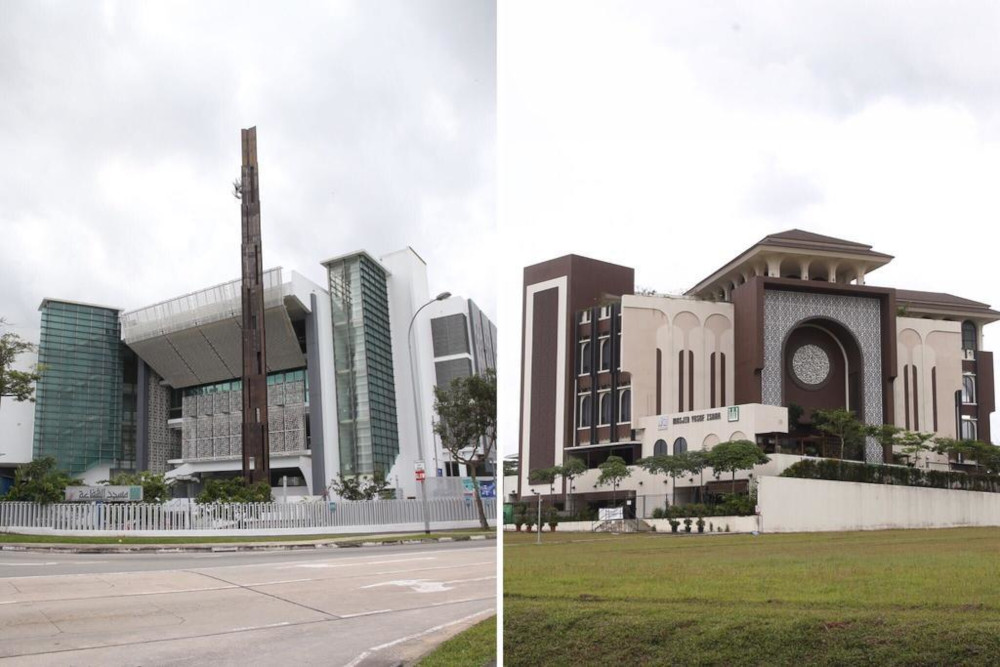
[(774, 267), (831, 275), (804, 268), (860, 274), (726, 291)]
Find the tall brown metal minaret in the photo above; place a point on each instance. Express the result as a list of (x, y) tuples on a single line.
[(256, 451)]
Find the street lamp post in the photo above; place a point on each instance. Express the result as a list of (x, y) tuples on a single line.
[(416, 403)]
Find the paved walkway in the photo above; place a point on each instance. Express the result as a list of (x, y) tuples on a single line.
[(262, 545)]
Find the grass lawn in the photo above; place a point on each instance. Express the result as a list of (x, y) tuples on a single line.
[(475, 647), (8, 538), (917, 597)]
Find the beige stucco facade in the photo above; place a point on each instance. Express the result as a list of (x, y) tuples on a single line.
[(673, 325)]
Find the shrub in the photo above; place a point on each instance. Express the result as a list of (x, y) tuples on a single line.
[(849, 471), (687, 525), (234, 490)]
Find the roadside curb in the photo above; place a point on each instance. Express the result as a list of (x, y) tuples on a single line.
[(225, 547)]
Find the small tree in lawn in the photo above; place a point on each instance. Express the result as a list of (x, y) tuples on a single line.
[(735, 455), (467, 424), (544, 476), (841, 424), (360, 487), (613, 471), (571, 468), (19, 385), (665, 464)]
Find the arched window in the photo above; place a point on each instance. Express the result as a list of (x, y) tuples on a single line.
[(625, 408), (606, 408), (585, 357), (969, 430), (968, 335), (618, 351), (605, 354), (660, 448), (585, 411), (968, 389), (680, 446)]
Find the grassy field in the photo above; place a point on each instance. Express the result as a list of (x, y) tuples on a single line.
[(475, 647), (919, 597)]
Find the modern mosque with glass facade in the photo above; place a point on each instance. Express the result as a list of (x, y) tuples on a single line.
[(791, 321), (158, 388)]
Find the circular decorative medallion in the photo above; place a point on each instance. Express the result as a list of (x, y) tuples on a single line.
[(810, 364)]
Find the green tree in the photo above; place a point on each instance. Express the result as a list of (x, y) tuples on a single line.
[(665, 464), (613, 471), (887, 436), (511, 467), (983, 454), (735, 455), (915, 443), (841, 424), (360, 487), (571, 468), (234, 490), (19, 385), (467, 424), (154, 487), (544, 475), (40, 482), (697, 461)]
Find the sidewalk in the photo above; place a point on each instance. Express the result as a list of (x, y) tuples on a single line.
[(263, 545)]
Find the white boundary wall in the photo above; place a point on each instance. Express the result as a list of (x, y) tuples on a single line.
[(789, 505)]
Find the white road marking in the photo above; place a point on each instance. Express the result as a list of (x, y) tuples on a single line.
[(373, 649), (27, 564), (367, 613), (376, 562), (419, 585)]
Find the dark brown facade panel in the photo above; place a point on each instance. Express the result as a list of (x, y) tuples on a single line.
[(544, 368), (985, 393), (748, 341)]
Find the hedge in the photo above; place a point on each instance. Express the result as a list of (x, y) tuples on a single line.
[(846, 471)]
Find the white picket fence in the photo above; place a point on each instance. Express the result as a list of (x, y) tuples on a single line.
[(240, 518)]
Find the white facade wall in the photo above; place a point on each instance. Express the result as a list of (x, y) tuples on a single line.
[(17, 423), (407, 287), (811, 505)]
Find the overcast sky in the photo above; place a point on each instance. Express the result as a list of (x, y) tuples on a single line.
[(120, 137), (669, 137)]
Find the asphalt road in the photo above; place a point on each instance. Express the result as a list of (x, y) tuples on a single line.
[(369, 606)]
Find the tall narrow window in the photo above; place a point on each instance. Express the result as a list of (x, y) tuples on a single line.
[(585, 412), (659, 381), (605, 409), (968, 335), (625, 409), (722, 379), (711, 380), (605, 354), (968, 389), (585, 357), (934, 396), (660, 448), (690, 380), (916, 400), (680, 381), (906, 395), (969, 430), (680, 446)]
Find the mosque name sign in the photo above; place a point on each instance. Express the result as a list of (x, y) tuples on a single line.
[(104, 494), (709, 417)]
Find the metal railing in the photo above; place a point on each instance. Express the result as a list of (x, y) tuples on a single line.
[(248, 517)]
